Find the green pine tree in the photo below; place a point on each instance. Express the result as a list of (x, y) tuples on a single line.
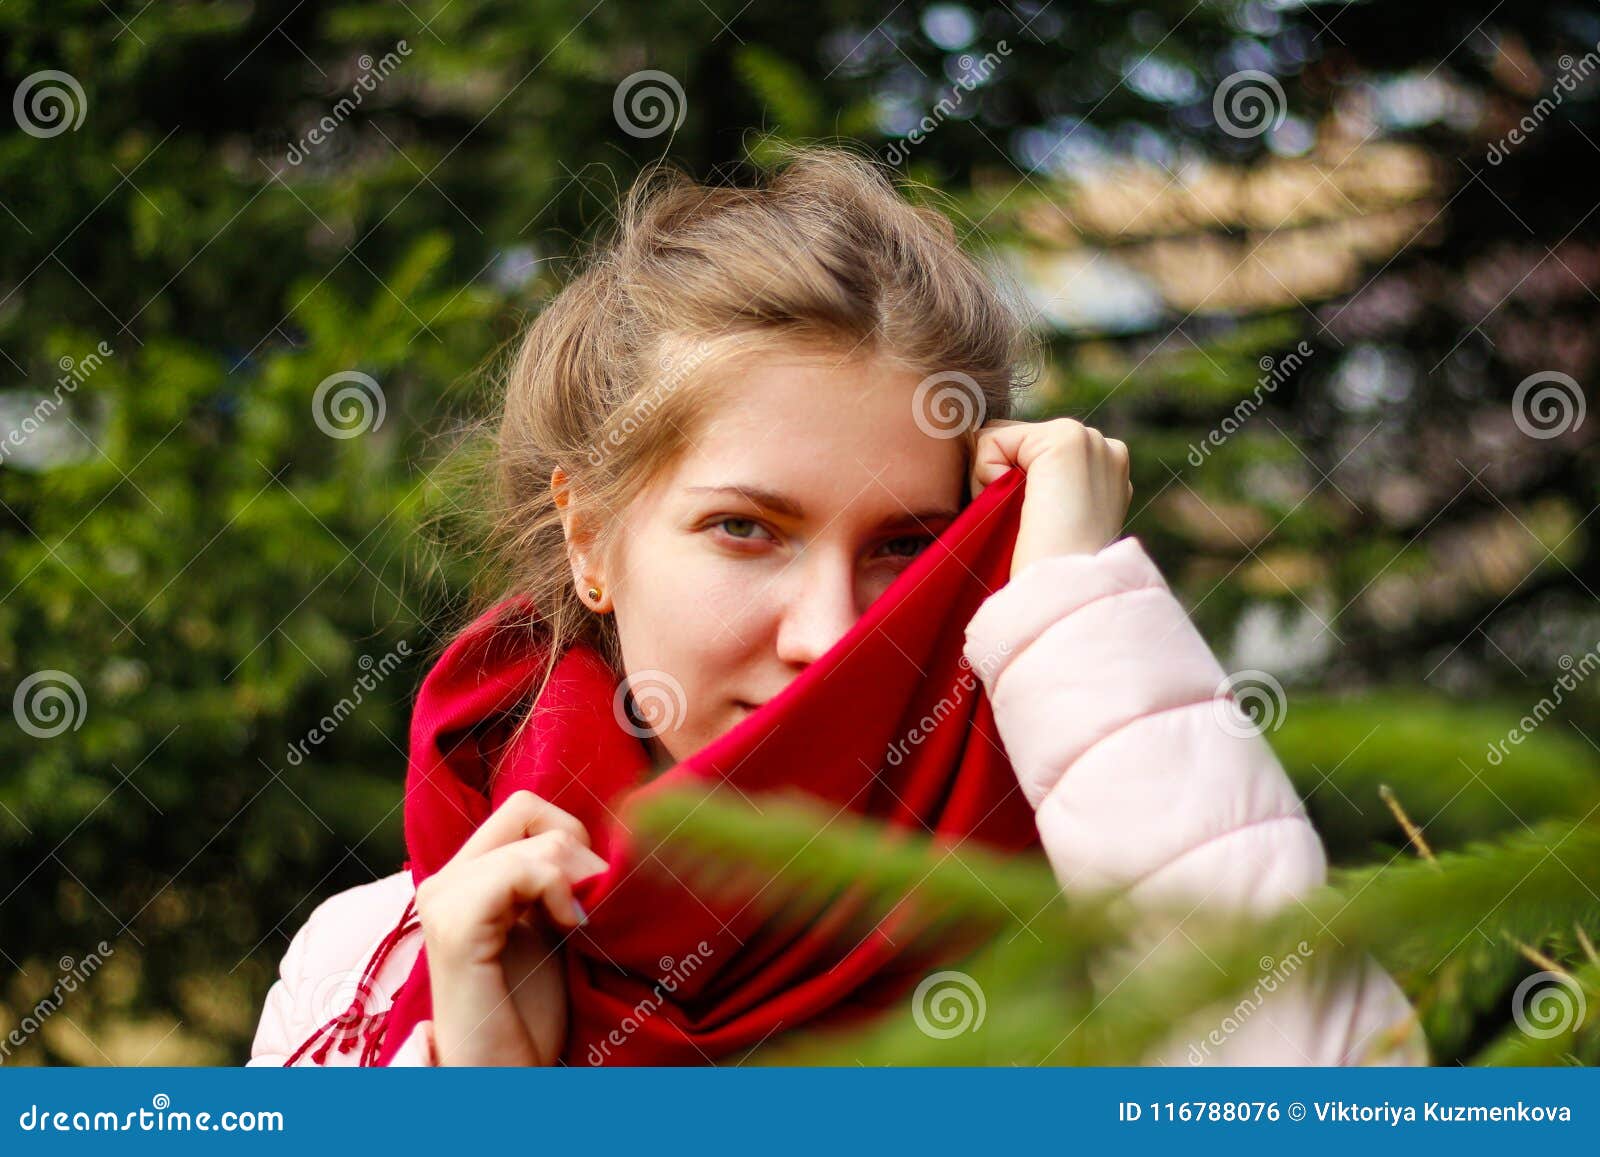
[(1044, 1002)]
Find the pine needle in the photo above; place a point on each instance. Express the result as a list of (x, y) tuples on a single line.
[(1413, 832), (1588, 945)]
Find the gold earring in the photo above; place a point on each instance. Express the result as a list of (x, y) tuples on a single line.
[(594, 594)]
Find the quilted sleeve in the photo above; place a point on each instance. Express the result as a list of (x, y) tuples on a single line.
[(319, 971), (1146, 779), (275, 1035)]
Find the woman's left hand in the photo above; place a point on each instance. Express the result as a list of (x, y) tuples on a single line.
[(1078, 486)]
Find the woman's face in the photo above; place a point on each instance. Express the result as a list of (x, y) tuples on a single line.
[(796, 506)]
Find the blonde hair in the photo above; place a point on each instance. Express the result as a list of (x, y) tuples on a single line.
[(614, 377)]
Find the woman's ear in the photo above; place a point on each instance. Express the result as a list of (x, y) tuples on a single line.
[(559, 493), (580, 539)]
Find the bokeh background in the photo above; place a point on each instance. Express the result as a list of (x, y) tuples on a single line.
[(1330, 269)]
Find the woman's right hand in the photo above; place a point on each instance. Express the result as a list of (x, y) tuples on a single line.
[(499, 994), (1078, 484)]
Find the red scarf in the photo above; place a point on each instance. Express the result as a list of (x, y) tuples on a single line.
[(662, 975)]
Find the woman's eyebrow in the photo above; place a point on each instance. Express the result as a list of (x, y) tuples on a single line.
[(767, 499), (782, 504)]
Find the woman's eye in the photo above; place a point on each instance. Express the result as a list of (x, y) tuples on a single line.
[(740, 528), (916, 543), (749, 530)]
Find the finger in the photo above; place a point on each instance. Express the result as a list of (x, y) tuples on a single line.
[(522, 814), (577, 860), (554, 893), (486, 898), (998, 449), (503, 884), (502, 888), (467, 918), (571, 863)]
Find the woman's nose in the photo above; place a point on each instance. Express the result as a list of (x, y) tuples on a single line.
[(820, 608)]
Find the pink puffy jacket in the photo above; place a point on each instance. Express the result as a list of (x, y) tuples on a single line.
[(1106, 698)]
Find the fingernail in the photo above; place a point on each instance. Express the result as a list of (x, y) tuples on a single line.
[(583, 917)]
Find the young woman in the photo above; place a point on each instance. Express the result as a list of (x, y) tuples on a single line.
[(718, 448)]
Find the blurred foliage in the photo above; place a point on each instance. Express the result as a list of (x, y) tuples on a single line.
[(1049, 987), (1432, 754), (198, 572)]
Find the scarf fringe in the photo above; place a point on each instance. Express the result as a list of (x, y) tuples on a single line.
[(355, 1025)]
